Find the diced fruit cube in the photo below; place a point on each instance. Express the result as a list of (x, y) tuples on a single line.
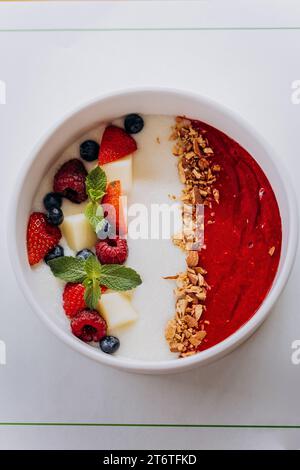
[(120, 170), (71, 208), (78, 232), (116, 309)]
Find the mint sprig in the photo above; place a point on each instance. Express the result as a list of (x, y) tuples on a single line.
[(94, 214), (92, 267), (95, 184), (92, 292), (92, 274)]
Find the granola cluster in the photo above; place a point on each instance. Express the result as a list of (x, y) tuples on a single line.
[(198, 173), (182, 332), (196, 168)]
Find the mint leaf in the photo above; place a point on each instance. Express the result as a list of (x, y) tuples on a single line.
[(92, 267), (99, 211), (96, 184), (92, 292), (118, 277), (94, 214), (95, 195), (68, 268)]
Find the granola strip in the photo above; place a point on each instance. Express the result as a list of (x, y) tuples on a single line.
[(198, 173)]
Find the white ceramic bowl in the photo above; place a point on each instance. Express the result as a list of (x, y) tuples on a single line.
[(149, 101)]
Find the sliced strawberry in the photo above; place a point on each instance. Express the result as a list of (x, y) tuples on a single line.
[(115, 144), (41, 237), (73, 298), (113, 198)]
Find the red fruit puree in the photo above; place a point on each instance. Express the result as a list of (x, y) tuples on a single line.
[(242, 245)]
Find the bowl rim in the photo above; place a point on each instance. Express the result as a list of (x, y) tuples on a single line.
[(220, 349)]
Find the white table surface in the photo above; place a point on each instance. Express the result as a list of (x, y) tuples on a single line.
[(47, 73)]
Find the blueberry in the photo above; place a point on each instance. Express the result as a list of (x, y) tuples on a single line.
[(133, 123), (105, 230), (56, 252), (55, 216), (109, 344), (52, 200), (84, 254), (89, 150)]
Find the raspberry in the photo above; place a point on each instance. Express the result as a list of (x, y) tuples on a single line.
[(88, 325), (112, 251), (41, 237), (69, 181), (73, 298)]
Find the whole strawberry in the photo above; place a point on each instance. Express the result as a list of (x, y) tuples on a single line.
[(112, 251), (69, 181), (88, 325), (73, 298), (41, 237)]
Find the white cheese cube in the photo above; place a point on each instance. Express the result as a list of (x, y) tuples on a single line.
[(116, 309), (78, 232), (71, 208), (120, 170)]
